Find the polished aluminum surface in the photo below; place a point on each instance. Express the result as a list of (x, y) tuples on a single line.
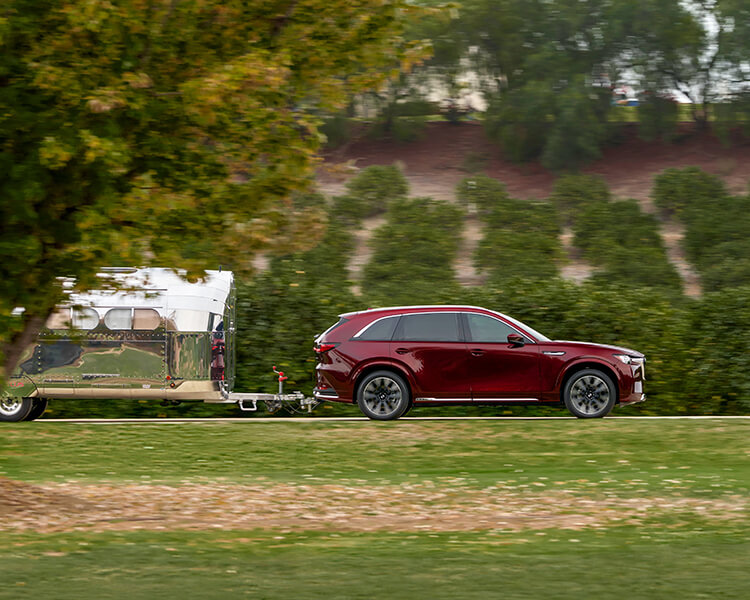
[(157, 337)]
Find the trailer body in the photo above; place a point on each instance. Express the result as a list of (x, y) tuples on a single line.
[(154, 336)]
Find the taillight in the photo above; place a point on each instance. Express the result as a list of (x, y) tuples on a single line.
[(323, 348)]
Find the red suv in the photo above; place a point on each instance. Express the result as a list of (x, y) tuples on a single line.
[(389, 359)]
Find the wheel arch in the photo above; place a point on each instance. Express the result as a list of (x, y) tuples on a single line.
[(372, 367), (589, 364)]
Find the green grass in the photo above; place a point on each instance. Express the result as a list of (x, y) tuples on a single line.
[(617, 563), (707, 457), (666, 552)]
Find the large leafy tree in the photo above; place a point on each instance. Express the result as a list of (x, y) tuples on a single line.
[(166, 132), (548, 67)]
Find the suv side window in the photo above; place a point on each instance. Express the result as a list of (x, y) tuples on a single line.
[(381, 330), (429, 327), (484, 329)]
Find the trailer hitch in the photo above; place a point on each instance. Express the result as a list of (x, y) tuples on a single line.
[(295, 402)]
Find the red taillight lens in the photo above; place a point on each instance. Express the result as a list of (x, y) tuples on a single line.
[(323, 348)]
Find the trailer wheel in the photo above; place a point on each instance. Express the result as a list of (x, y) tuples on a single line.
[(37, 410), (14, 409)]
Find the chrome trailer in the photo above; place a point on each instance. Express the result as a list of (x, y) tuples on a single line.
[(148, 334)]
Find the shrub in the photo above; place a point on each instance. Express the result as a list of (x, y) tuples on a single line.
[(574, 192), (521, 238), (720, 348), (413, 252), (676, 189), (658, 118), (482, 192), (374, 188), (626, 244)]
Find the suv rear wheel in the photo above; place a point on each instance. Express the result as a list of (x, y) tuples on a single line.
[(383, 396)]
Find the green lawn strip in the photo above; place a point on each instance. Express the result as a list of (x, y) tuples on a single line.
[(699, 561), (626, 458)]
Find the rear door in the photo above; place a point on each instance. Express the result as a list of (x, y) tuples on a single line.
[(432, 346), (499, 370)]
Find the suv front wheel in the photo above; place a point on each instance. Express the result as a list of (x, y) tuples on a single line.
[(383, 396), (590, 394)]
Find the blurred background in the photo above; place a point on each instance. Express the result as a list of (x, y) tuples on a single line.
[(579, 165)]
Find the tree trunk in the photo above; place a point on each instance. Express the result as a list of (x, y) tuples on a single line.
[(13, 350)]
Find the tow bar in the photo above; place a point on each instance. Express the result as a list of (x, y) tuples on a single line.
[(293, 402)]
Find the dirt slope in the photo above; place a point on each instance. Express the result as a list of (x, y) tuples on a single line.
[(446, 153)]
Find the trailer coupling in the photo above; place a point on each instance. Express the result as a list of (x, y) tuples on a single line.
[(293, 402)]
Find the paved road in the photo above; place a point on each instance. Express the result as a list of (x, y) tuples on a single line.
[(256, 420)]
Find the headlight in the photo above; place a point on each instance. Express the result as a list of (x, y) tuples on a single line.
[(629, 360)]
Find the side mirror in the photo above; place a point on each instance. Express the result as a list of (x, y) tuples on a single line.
[(516, 340)]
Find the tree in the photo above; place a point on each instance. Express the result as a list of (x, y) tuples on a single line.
[(165, 132)]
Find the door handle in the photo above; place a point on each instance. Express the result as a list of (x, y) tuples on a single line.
[(402, 351), (477, 352)]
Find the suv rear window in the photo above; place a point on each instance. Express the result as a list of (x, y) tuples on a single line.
[(429, 327), (380, 330)]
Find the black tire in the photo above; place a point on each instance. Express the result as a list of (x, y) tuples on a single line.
[(37, 410), (590, 394), (14, 409), (383, 396)]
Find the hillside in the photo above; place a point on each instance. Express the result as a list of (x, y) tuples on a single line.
[(446, 153)]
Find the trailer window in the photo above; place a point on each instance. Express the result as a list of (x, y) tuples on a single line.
[(85, 318), (118, 318), (145, 318)]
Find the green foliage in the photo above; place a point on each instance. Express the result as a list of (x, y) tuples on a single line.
[(337, 130), (658, 118), (721, 349), (717, 224), (398, 129), (166, 133), (371, 192), (579, 127), (413, 253), (519, 120), (280, 312), (575, 192), (481, 192), (521, 239), (626, 243), (675, 189)]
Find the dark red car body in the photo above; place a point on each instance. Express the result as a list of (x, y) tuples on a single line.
[(530, 369)]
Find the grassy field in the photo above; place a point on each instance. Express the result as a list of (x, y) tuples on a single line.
[(518, 509)]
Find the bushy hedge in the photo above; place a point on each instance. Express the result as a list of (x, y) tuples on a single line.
[(572, 193), (413, 253), (370, 193), (625, 243), (521, 238), (717, 224), (481, 193)]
